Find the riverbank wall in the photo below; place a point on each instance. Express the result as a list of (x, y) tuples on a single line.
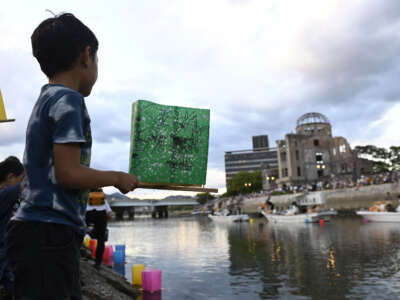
[(103, 284), (340, 199)]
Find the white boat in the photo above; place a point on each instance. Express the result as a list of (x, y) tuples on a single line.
[(374, 216), (307, 199), (229, 219), (314, 217)]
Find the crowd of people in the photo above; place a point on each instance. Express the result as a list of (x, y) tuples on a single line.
[(343, 183), (333, 183)]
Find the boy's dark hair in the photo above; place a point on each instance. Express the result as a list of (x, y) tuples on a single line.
[(57, 43), (10, 165)]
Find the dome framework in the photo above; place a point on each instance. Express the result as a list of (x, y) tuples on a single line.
[(312, 118)]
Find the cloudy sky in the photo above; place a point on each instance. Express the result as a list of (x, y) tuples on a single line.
[(257, 65)]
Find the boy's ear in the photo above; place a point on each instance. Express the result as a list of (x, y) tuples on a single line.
[(9, 177), (85, 56)]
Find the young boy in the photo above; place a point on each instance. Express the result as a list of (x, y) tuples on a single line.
[(44, 237), (11, 175)]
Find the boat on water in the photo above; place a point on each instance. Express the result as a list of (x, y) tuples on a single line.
[(229, 218), (381, 211), (314, 217), (375, 216), (304, 200)]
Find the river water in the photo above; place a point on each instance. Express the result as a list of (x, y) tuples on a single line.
[(344, 259)]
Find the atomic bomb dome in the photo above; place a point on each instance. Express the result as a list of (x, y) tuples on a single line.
[(312, 118), (313, 123)]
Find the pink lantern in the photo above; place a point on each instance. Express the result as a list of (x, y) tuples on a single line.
[(151, 280)]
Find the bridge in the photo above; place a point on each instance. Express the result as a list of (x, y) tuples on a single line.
[(120, 203)]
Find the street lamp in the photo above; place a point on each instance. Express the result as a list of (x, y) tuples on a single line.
[(270, 178)]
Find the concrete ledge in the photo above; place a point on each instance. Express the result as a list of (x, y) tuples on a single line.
[(340, 199)]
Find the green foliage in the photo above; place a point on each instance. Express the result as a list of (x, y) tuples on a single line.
[(224, 195), (395, 157), (384, 159), (202, 198), (244, 183)]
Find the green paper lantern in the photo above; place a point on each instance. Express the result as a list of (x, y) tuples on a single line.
[(169, 144)]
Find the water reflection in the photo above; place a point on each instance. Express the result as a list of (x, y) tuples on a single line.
[(150, 296), (329, 262), (345, 259)]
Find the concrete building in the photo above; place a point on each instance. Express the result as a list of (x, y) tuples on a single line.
[(312, 154), (260, 142), (261, 157)]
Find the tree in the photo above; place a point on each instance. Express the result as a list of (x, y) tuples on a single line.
[(244, 183), (395, 157), (384, 159), (202, 198)]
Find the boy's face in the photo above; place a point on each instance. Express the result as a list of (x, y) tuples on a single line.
[(90, 73)]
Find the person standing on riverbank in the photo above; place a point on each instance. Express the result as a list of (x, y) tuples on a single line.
[(43, 239), (97, 213), (11, 174)]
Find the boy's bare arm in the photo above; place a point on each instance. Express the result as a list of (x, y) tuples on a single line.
[(71, 174)]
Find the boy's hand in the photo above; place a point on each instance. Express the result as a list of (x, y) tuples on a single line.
[(70, 174), (126, 182)]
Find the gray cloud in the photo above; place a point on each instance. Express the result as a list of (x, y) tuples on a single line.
[(20, 82), (355, 61), (346, 67)]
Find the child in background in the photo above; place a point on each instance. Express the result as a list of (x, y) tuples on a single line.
[(97, 212), (11, 175), (43, 239)]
